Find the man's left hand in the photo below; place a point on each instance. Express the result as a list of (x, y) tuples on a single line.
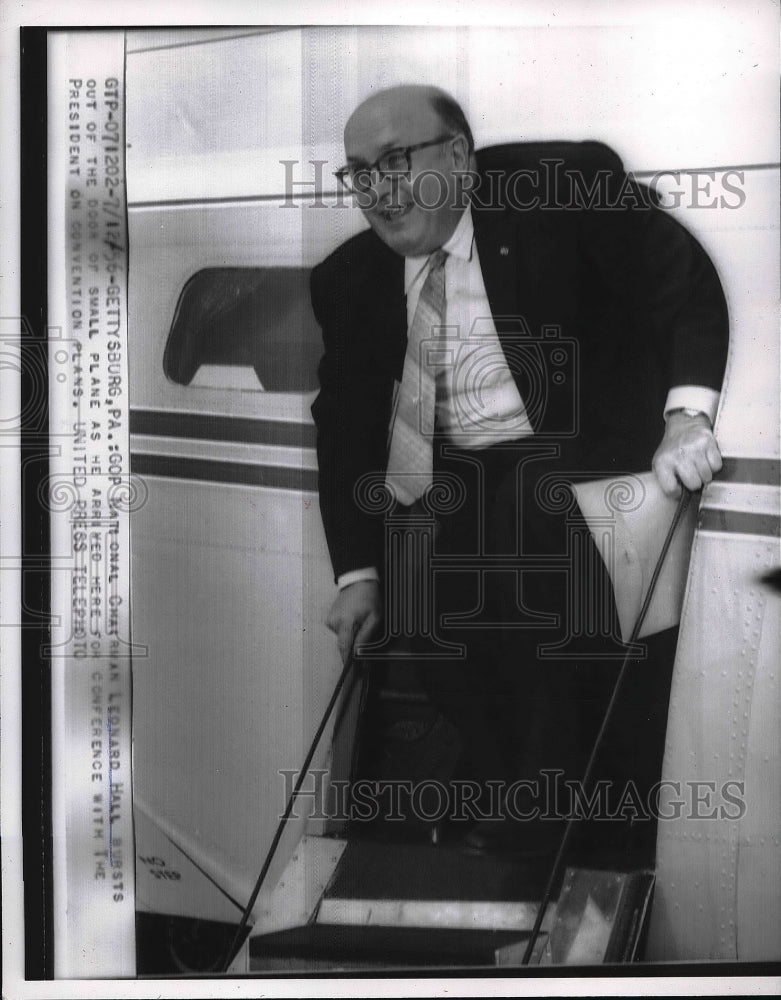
[(688, 454)]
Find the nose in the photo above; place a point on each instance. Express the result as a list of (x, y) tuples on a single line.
[(387, 189), (366, 189), (378, 191)]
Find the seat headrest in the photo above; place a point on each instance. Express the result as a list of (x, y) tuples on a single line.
[(586, 156)]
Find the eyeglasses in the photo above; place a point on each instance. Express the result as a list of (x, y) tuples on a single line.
[(393, 163)]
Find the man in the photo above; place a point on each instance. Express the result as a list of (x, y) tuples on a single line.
[(449, 256)]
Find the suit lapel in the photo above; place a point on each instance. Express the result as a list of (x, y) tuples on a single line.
[(497, 245), (527, 268), (507, 249), (385, 302)]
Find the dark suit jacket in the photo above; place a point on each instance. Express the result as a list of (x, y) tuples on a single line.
[(600, 310)]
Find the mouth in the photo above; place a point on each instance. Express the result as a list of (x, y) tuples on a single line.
[(393, 213)]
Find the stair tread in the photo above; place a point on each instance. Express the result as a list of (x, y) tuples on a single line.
[(373, 870), (386, 945)]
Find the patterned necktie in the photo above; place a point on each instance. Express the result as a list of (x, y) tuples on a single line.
[(411, 454)]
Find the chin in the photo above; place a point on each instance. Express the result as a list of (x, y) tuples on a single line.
[(400, 245), (403, 239)]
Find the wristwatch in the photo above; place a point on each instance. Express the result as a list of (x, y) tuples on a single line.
[(687, 411)]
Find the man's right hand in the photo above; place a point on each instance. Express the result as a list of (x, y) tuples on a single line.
[(355, 615)]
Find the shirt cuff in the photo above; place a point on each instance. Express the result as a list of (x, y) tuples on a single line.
[(694, 397), (356, 576)]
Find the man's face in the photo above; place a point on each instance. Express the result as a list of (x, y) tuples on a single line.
[(396, 207)]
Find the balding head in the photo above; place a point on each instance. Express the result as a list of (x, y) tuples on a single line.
[(403, 99), (417, 212)]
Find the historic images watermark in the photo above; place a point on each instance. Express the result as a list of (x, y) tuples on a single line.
[(551, 187), (547, 797)]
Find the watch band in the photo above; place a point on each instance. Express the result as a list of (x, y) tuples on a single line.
[(687, 411)]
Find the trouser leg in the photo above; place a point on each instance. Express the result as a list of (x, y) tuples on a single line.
[(521, 706), (560, 675)]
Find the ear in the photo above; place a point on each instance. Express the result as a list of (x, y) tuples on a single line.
[(460, 153)]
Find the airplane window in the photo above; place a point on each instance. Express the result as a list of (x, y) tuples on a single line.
[(231, 322)]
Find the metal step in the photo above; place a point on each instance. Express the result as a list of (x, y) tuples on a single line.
[(449, 914), (380, 871), (403, 906), (347, 947)]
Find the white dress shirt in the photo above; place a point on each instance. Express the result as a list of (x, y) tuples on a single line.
[(478, 403)]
